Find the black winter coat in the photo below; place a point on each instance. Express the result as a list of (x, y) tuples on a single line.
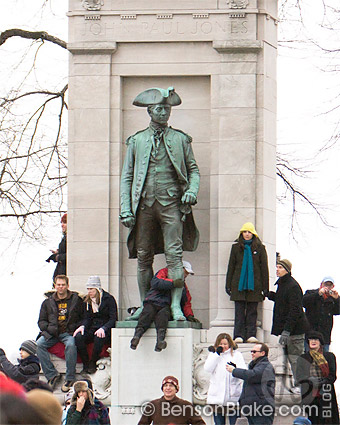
[(105, 318), (288, 314), (261, 273), (327, 400), (259, 383), (28, 368), (48, 317), (61, 266), (320, 312)]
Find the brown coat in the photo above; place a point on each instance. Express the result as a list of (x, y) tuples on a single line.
[(181, 412), (261, 273)]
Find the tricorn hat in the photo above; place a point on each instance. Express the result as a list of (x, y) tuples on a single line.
[(155, 96)]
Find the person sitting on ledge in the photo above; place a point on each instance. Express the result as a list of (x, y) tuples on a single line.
[(60, 314), (157, 306), (28, 367), (100, 316)]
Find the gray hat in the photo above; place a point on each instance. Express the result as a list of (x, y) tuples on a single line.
[(94, 282), (29, 346), (328, 279), (156, 96)]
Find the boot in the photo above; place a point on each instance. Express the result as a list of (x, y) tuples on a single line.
[(176, 296), (137, 336), (92, 367), (160, 344)]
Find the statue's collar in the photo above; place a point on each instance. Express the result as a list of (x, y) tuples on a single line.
[(157, 127)]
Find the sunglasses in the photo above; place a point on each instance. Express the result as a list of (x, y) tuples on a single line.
[(254, 351)]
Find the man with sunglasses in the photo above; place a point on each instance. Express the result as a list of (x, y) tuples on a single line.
[(257, 397)]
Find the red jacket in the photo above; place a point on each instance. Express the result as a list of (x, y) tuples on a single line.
[(160, 292)]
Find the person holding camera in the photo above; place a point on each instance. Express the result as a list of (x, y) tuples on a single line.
[(320, 306), (224, 389)]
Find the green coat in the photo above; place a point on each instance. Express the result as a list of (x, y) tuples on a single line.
[(261, 273), (134, 172)]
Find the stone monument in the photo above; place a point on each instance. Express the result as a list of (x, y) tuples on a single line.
[(220, 55)]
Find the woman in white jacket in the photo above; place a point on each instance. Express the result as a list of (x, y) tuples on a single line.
[(224, 389)]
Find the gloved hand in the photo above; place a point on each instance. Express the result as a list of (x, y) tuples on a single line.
[(211, 349), (193, 319), (228, 291), (283, 340), (219, 350), (2, 353), (51, 258), (178, 283)]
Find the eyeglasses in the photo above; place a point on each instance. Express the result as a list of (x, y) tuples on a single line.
[(254, 351)]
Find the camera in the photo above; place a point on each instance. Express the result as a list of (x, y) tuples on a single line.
[(330, 292)]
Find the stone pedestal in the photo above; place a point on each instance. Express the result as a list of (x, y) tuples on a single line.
[(137, 375)]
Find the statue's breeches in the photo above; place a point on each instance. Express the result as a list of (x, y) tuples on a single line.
[(169, 220)]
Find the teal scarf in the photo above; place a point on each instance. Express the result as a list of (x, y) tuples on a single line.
[(246, 282)]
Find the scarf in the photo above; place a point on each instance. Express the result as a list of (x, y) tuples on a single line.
[(320, 361), (95, 306), (246, 282)]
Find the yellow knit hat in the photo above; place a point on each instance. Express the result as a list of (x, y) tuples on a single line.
[(250, 227)]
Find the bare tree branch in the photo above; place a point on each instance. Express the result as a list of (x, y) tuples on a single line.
[(32, 35)]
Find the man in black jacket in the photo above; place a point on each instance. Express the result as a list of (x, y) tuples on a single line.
[(289, 320), (59, 317), (321, 305), (257, 397)]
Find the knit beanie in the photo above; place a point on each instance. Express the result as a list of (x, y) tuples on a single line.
[(8, 386), (82, 386), (286, 264), (46, 404), (94, 282), (250, 228), (29, 346), (170, 380)]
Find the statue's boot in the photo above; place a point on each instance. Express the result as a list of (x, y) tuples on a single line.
[(136, 338), (144, 278), (176, 311), (160, 343)]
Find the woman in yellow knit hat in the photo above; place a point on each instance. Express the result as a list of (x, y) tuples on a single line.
[(247, 281)]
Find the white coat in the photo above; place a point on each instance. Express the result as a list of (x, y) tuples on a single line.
[(224, 388)]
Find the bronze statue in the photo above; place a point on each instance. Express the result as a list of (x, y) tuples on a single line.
[(159, 183)]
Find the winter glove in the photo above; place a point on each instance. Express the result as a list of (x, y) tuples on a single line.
[(283, 340), (178, 283), (219, 350), (51, 258), (211, 349), (193, 319), (228, 291), (2, 353)]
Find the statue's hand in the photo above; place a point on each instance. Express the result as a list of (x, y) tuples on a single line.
[(188, 198), (128, 221)]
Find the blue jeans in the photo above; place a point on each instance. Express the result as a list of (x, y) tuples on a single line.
[(219, 419), (70, 355)]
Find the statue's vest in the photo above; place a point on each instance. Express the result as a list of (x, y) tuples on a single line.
[(161, 181)]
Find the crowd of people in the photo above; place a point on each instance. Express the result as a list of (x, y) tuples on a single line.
[(81, 326)]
